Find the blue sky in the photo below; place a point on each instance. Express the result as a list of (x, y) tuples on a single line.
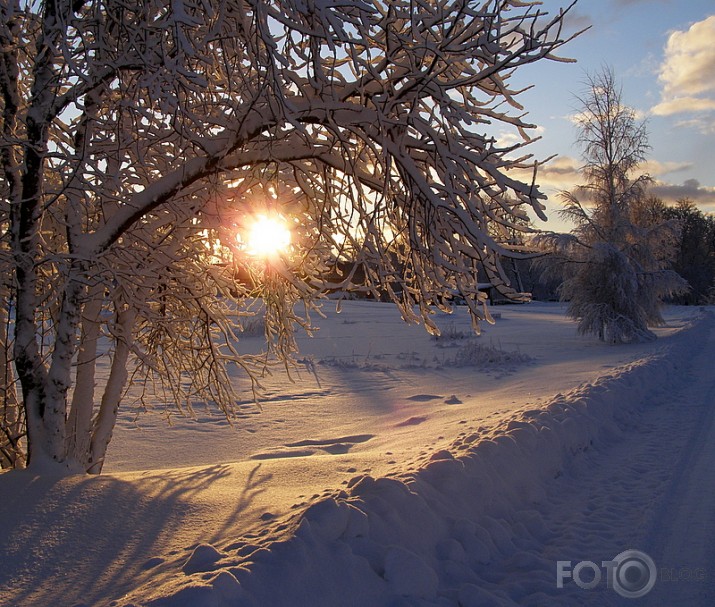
[(663, 54)]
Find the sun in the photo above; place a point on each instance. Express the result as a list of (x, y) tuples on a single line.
[(267, 236)]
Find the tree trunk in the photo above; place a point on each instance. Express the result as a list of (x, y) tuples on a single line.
[(11, 420), (60, 372), (79, 421), (25, 218), (107, 416), (28, 362)]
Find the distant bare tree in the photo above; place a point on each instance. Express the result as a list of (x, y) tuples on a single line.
[(139, 138), (615, 265)]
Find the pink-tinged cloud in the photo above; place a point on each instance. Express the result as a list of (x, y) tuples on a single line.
[(560, 173), (687, 74), (564, 173), (703, 196), (657, 168)]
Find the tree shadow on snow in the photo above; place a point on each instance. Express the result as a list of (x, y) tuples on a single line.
[(77, 539)]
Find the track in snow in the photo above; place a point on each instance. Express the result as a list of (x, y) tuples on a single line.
[(652, 490)]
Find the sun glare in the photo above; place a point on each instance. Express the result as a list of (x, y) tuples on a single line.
[(267, 236)]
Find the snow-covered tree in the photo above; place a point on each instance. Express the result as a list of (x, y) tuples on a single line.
[(138, 140), (694, 259), (615, 264)]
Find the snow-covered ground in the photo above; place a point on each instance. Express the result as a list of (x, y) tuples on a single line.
[(399, 469)]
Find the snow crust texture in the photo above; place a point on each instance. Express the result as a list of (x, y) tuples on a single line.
[(479, 524)]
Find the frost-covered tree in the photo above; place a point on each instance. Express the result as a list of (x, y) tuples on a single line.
[(694, 258), (138, 140), (615, 264)]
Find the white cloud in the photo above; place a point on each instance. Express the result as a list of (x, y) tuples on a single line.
[(559, 174), (705, 125), (690, 60), (657, 168), (680, 105), (687, 74), (509, 139)]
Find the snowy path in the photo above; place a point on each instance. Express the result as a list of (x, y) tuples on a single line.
[(652, 489), (682, 537)]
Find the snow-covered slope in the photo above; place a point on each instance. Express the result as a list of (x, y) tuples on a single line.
[(446, 486)]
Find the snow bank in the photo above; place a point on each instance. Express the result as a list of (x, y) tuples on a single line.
[(428, 538)]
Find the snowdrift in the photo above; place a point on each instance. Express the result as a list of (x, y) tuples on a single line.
[(429, 538)]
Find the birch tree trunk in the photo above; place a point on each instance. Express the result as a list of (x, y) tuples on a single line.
[(79, 422), (12, 426), (106, 419)]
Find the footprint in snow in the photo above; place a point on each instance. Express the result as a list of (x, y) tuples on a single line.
[(327, 442), (423, 398), (412, 421), (283, 453), (333, 446)]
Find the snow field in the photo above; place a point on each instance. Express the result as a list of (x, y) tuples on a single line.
[(429, 537)]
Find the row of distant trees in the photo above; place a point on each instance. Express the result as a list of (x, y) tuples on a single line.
[(692, 255)]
